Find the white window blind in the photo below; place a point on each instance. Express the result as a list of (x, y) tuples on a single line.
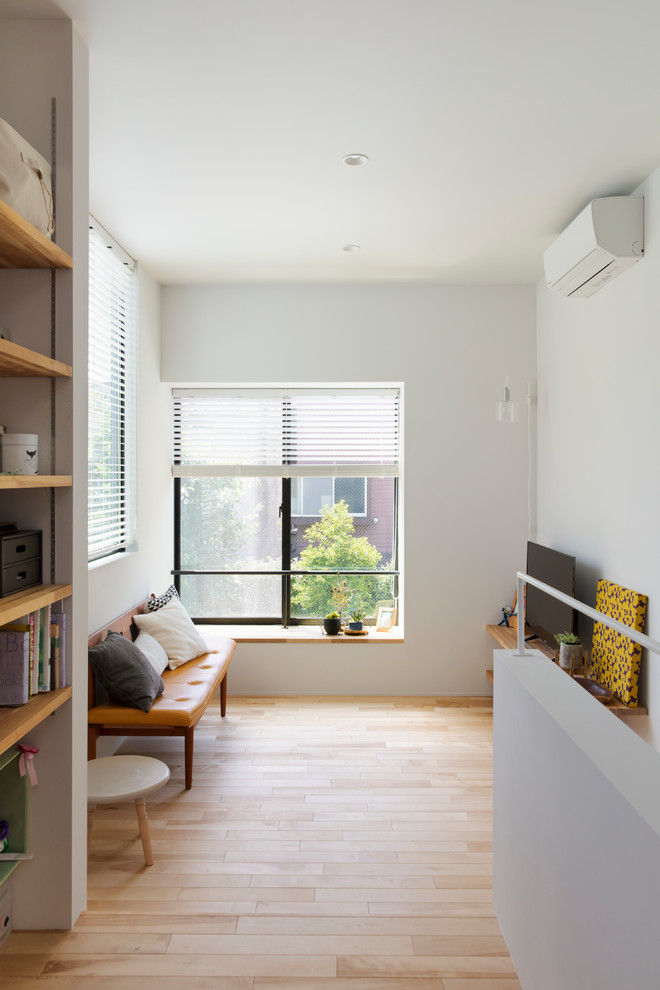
[(112, 396), (300, 432)]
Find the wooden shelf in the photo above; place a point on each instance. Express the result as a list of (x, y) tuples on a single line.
[(17, 722), (23, 246), (20, 362), (14, 606), (9, 481), (507, 638)]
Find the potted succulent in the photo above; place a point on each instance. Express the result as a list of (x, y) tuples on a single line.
[(570, 650), (356, 616), (332, 623)]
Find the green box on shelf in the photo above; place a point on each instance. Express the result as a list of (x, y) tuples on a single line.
[(13, 808)]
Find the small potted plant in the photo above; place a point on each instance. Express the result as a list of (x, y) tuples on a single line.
[(332, 623), (356, 616), (570, 650)]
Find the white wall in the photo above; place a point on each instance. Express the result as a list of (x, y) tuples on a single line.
[(120, 582), (576, 835), (599, 408), (465, 476)]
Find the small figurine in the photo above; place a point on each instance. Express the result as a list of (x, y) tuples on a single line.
[(507, 612)]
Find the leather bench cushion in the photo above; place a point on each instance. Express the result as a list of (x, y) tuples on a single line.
[(188, 690)]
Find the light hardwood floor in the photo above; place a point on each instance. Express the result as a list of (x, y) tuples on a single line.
[(326, 844)]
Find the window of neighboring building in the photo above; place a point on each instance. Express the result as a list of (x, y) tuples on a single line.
[(309, 496), (281, 494), (112, 396)]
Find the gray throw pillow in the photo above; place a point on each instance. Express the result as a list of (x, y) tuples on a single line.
[(125, 672)]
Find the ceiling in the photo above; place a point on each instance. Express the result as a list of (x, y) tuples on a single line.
[(219, 128)]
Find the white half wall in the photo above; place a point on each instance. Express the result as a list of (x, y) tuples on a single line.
[(576, 834), (465, 475), (599, 408), (120, 582)]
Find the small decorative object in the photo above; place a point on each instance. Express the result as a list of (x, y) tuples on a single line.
[(26, 763), (332, 623), (4, 836), (356, 616), (340, 596), (570, 650), (507, 613), (386, 617), (20, 453)]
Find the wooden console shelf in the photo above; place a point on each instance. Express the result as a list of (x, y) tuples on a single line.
[(17, 361), (23, 246), (17, 722), (507, 639), (14, 606)]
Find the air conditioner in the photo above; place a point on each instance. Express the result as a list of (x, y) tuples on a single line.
[(603, 241)]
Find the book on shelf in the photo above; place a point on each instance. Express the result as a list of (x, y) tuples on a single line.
[(59, 619), (32, 656), (14, 665), (43, 678)]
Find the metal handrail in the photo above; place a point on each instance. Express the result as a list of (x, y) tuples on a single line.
[(606, 620), (328, 572)]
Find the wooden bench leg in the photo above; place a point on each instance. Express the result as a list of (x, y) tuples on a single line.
[(90, 824), (188, 759), (143, 823), (93, 732), (223, 696)]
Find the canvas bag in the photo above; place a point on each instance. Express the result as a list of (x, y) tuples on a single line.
[(25, 180)]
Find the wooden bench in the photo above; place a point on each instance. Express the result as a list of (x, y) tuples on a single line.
[(176, 712)]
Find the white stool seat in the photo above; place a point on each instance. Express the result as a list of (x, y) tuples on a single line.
[(123, 778)]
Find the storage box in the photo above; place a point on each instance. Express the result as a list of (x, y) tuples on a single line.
[(20, 560), (20, 453), (18, 577), (19, 545)]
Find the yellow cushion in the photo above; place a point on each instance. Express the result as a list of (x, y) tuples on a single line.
[(615, 659)]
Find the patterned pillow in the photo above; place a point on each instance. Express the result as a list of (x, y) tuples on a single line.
[(154, 603)]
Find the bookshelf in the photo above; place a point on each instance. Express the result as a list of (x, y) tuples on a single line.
[(24, 247)]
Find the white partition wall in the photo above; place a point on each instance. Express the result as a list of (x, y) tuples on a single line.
[(576, 854)]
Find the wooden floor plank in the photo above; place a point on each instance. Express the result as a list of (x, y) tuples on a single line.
[(326, 844)]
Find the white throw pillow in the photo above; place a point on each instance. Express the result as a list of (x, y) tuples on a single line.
[(153, 651), (174, 629)]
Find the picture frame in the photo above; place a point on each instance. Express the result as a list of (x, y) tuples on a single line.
[(386, 618)]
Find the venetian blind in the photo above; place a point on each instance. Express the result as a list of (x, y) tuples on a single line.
[(297, 432), (112, 396)]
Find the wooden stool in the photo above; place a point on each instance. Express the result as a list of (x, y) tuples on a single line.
[(112, 779)]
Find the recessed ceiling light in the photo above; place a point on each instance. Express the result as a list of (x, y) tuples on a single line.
[(355, 160), (351, 248)]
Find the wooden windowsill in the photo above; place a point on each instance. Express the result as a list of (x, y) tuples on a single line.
[(294, 634)]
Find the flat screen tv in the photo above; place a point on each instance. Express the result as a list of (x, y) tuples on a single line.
[(545, 616)]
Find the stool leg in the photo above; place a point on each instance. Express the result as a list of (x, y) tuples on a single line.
[(143, 823), (90, 824)]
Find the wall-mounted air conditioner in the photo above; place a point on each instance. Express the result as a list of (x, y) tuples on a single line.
[(603, 241)]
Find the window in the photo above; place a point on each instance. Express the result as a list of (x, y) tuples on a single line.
[(309, 496), (281, 494), (112, 396)]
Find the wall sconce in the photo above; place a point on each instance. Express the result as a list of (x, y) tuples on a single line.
[(507, 408), (507, 412)]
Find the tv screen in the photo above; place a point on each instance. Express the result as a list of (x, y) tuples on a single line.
[(545, 616)]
